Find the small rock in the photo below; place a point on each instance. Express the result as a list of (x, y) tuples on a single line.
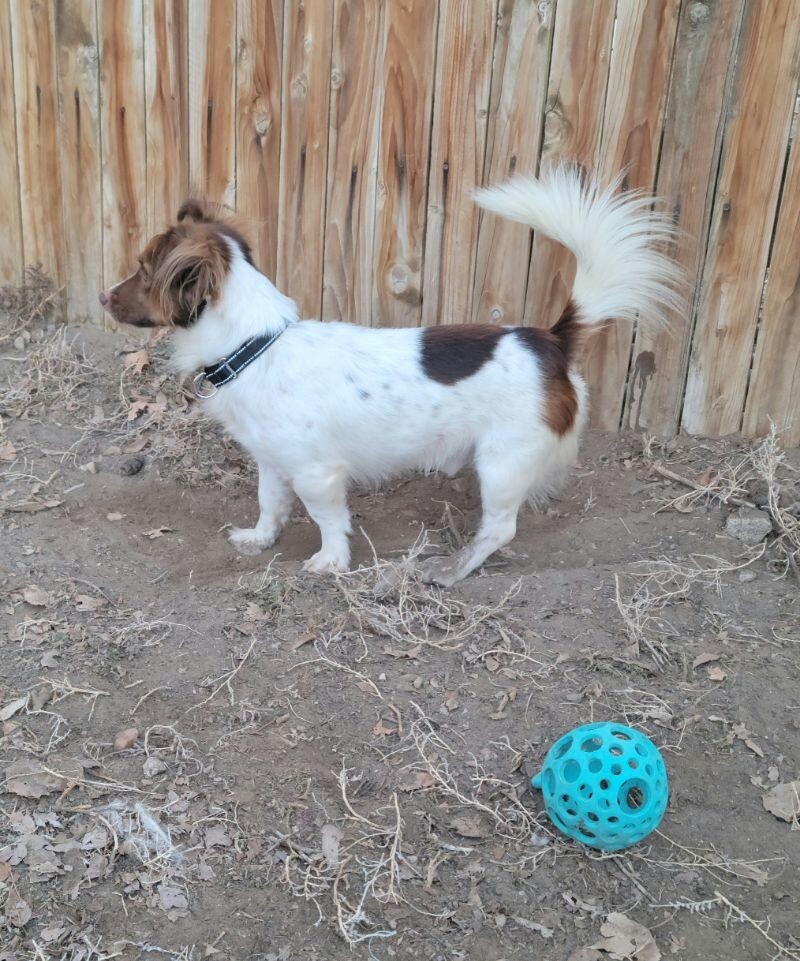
[(153, 766), (748, 525), (747, 576), (125, 739), (131, 465)]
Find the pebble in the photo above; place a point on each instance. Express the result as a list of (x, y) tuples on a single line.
[(748, 525)]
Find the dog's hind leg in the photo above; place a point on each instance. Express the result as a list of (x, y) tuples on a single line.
[(274, 502)]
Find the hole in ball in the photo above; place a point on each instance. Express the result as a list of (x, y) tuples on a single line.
[(592, 744), (562, 748), (603, 785), (621, 735), (595, 765), (616, 769), (592, 816), (571, 770), (641, 749), (616, 751), (549, 782), (633, 763)]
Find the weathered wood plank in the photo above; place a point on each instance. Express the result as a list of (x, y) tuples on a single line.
[(519, 89), (407, 82), (689, 162), (258, 125), (744, 212), (38, 135), (355, 112), (304, 151), (166, 65), (576, 96), (11, 263), (775, 381), (212, 104), (79, 96), (644, 40), (122, 133), (461, 104)]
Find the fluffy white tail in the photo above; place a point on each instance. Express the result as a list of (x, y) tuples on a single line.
[(617, 239)]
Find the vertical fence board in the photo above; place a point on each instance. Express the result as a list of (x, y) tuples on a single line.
[(258, 125), (11, 235), (637, 87), (122, 133), (686, 178), (775, 381), (166, 63), (461, 103), (304, 151), (212, 133), (519, 88), (407, 83), (355, 113), (79, 92), (744, 212), (576, 96), (38, 135)]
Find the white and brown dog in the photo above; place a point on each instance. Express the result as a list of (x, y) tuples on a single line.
[(321, 406)]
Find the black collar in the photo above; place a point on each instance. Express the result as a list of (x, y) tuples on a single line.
[(227, 369)]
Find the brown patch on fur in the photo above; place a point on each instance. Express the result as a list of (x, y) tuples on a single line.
[(180, 270), (555, 350), (450, 354)]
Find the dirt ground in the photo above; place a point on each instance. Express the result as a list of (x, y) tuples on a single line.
[(207, 755)]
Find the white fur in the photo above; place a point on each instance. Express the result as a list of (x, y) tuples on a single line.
[(330, 404)]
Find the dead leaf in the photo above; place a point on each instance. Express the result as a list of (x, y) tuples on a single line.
[(422, 781), (136, 446), (469, 827), (33, 506), (217, 837), (137, 360), (125, 739), (754, 747), (705, 659), (114, 516), (27, 779), (533, 926), (716, 674), (157, 532), (331, 838), (783, 801), (491, 663), (13, 707), (380, 729), (172, 898), (623, 939), (8, 452), (298, 642), (18, 912), (84, 602), (36, 596), (5, 871)]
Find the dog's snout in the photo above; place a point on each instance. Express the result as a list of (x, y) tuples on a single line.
[(103, 297)]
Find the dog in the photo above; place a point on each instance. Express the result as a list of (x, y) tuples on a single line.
[(323, 406)]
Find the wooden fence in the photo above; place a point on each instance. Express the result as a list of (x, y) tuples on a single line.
[(349, 132)]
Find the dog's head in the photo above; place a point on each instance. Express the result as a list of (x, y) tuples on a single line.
[(180, 270)]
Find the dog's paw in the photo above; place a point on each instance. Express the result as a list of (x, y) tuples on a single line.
[(441, 571), (327, 562), (249, 540)]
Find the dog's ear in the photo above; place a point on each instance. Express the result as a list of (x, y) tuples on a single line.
[(197, 210), (191, 274)]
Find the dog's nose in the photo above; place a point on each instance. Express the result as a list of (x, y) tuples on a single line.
[(103, 298)]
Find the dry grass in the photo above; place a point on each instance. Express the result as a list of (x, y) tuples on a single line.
[(37, 301)]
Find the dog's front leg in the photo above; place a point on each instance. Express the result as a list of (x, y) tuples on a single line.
[(274, 502), (324, 494)]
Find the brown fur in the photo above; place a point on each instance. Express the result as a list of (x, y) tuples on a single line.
[(555, 350), (180, 271), (449, 354)]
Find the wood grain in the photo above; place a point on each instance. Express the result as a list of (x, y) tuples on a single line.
[(407, 77), (212, 133), (519, 89), (355, 111), (744, 213), (258, 125), (304, 151), (79, 107), (701, 73), (38, 136), (576, 95), (461, 105), (166, 64), (11, 263), (775, 381), (644, 40)]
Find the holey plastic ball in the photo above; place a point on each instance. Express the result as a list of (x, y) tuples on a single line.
[(604, 784)]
